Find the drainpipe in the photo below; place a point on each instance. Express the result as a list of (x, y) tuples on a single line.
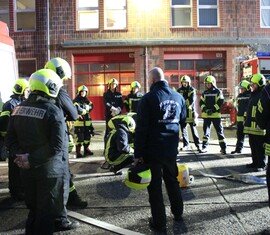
[(146, 83), (48, 31)]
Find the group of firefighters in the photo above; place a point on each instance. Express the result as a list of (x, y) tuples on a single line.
[(252, 103)]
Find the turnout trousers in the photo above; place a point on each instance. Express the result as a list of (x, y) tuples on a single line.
[(194, 133), (240, 136), (256, 143)]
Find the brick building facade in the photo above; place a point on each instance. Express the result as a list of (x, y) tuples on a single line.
[(127, 38)]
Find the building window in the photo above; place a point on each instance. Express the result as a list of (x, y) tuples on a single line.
[(208, 13), (181, 13), (265, 13), (87, 14), (26, 67), (115, 14), (25, 15), (4, 11)]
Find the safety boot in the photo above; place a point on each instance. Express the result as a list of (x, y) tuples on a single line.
[(74, 200), (87, 151), (78, 151)]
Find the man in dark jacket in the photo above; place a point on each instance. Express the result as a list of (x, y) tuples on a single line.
[(241, 105), (20, 93), (156, 141), (132, 100), (41, 151), (263, 121), (211, 101)]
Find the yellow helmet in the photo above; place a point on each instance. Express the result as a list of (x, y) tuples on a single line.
[(113, 80), (129, 123), (210, 79), (138, 177), (47, 81), (60, 66), (244, 84), (20, 85), (258, 79), (185, 78), (135, 84), (82, 88)]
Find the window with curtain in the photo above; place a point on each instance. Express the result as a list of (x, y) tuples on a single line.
[(4, 12), (87, 14), (115, 14), (181, 13), (265, 13), (208, 13), (25, 15)]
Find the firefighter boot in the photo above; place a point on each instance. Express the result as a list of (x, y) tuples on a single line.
[(78, 151), (87, 151), (74, 200)]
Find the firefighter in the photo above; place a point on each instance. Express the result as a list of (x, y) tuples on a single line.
[(40, 151), (115, 121), (113, 102), (20, 93), (263, 121), (189, 94), (133, 98), (63, 70), (118, 146), (256, 134), (211, 101), (241, 105), (83, 127)]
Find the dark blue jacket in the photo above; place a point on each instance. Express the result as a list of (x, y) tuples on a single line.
[(157, 131)]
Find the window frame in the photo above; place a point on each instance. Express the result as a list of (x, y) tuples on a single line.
[(15, 10), (199, 7), (265, 8), (26, 59), (182, 7), (85, 10), (105, 16), (6, 11)]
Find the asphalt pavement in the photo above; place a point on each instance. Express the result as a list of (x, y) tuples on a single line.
[(212, 205)]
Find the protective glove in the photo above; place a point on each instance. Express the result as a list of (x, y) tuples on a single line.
[(118, 110), (87, 107), (22, 161), (209, 111)]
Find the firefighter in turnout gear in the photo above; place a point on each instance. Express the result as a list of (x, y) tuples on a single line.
[(40, 151), (255, 133), (63, 70), (263, 121), (211, 101), (241, 105), (189, 94), (20, 93), (133, 98), (115, 121), (83, 127), (119, 144)]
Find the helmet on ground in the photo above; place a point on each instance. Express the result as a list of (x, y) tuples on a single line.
[(210, 79), (135, 84), (82, 88), (60, 66), (244, 84), (20, 85), (138, 177), (185, 78), (129, 122), (113, 80), (258, 79), (47, 81)]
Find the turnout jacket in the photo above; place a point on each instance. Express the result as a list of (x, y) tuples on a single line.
[(189, 94), (37, 126), (84, 117), (112, 99), (211, 101), (263, 115), (7, 109), (250, 124), (157, 129), (241, 104), (132, 100), (118, 144)]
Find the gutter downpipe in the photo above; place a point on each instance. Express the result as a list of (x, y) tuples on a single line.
[(48, 31), (146, 85)]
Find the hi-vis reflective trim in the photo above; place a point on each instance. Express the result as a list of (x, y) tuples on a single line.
[(5, 113), (240, 118), (72, 188), (267, 149), (253, 131), (260, 108), (210, 95), (29, 112), (253, 112), (82, 123), (213, 115), (145, 180), (221, 141), (243, 98), (3, 133), (216, 106)]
